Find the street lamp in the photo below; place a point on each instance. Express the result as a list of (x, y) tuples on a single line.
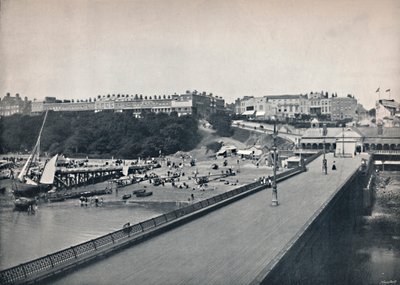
[(324, 132), (274, 188), (343, 124), (343, 140)]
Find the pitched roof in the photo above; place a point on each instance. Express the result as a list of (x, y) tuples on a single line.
[(349, 133), (373, 132), (389, 103), (317, 132)]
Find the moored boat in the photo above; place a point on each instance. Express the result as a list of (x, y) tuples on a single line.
[(26, 187), (144, 194), (126, 196), (24, 204), (28, 183), (134, 192)]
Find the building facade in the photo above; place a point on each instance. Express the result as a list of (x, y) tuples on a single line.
[(256, 107), (344, 108), (199, 104), (10, 105), (316, 100), (387, 112), (287, 105)]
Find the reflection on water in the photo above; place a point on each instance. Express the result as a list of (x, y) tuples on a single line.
[(56, 226), (376, 244)]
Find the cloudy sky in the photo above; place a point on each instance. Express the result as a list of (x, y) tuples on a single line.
[(83, 48)]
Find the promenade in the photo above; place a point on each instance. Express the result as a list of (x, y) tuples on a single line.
[(232, 245)]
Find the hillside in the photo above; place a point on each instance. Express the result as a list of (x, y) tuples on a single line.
[(241, 138)]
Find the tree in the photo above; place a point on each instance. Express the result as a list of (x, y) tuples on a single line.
[(100, 134), (372, 112)]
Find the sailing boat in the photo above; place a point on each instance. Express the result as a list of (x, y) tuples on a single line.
[(26, 186)]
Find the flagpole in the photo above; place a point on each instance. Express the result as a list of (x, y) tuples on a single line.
[(388, 90)]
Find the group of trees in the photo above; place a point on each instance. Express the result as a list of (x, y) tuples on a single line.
[(100, 134), (221, 122)]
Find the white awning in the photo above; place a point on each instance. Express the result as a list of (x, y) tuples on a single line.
[(260, 114), (248, 113), (245, 152)]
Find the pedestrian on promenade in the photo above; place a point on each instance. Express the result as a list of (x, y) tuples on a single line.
[(333, 166)]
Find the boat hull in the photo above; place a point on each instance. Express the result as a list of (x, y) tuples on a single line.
[(144, 194), (23, 204), (28, 190)]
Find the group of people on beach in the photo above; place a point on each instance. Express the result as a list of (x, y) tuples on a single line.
[(93, 200)]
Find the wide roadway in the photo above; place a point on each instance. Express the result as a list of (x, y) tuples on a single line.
[(232, 245)]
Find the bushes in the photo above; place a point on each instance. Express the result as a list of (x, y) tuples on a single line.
[(221, 122)]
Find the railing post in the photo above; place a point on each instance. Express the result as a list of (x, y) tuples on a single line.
[(94, 244), (51, 260), (23, 269), (73, 250), (154, 221), (112, 238), (141, 227)]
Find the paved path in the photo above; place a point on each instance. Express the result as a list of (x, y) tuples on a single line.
[(229, 246)]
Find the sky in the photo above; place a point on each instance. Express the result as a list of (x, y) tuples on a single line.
[(76, 49)]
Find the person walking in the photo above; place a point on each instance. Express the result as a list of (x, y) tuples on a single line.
[(333, 166)]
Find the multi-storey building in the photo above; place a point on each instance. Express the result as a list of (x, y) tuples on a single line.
[(199, 104), (304, 106), (343, 108), (326, 106), (241, 104), (284, 106), (14, 105), (288, 105), (386, 112), (319, 103), (255, 107)]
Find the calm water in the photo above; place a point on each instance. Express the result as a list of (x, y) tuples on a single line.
[(375, 257), (56, 226)]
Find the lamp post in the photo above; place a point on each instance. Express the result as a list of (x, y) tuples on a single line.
[(274, 188), (325, 168), (343, 140)]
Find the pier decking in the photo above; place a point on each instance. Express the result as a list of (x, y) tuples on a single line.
[(233, 245)]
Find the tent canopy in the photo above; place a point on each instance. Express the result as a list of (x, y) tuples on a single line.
[(248, 113)]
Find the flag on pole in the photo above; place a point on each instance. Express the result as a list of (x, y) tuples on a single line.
[(387, 90), (377, 90)]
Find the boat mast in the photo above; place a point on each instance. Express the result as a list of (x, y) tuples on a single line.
[(36, 149), (40, 136), (31, 157)]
